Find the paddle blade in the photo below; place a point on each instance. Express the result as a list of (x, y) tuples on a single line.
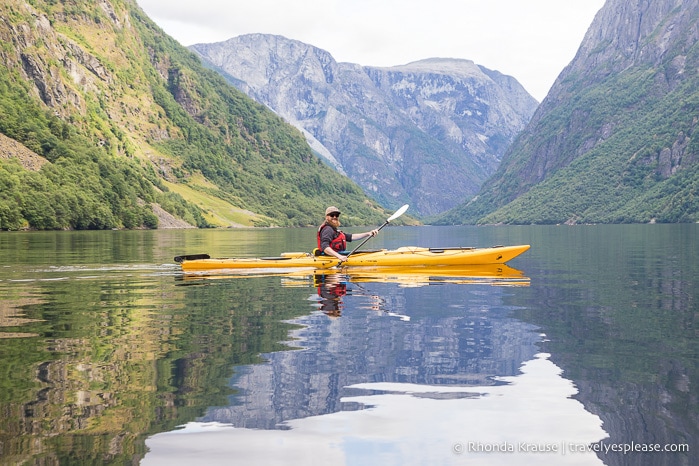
[(191, 257), (398, 213)]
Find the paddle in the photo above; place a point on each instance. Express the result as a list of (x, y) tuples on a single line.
[(397, 214)]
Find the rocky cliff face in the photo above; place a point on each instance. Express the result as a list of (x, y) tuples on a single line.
[(624, 35), (627, 33), (613, 140), (427, 133)]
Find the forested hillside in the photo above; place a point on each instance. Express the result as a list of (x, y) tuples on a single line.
[(616, 140), (125, 118)]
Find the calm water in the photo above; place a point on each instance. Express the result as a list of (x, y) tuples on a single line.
[(108, 355)]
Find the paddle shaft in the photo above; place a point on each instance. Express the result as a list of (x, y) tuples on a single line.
[(367, 239), (395, 215)]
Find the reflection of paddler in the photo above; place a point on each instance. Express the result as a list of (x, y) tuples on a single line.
[(331, 289)]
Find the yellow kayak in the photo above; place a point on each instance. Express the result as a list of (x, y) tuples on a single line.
[(410, 256)]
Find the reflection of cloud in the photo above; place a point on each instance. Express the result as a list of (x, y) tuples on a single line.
[(409, 424)]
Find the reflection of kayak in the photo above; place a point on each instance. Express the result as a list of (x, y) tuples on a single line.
[(402, 257), (494, 274), (491, 274)]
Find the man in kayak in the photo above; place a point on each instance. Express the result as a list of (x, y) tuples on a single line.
[(332, 241)]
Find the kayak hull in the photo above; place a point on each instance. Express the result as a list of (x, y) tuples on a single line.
[(410, 256), (490, 274)]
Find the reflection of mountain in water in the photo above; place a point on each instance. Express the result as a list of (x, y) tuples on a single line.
[(623, 326), (455, 335)]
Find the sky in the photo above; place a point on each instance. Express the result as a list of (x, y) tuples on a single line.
[(531, 40)]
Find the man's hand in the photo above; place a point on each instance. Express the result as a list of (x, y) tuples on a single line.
[(331, 252)]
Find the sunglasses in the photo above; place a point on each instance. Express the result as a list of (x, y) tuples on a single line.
[(335, 215)]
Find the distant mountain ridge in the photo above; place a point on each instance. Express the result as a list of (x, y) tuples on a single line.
[(427, 133), (615, 139)]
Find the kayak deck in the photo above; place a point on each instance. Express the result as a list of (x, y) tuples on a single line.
[(410, 256)]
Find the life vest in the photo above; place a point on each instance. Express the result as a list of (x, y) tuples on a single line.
[(339, 243), (335, 291)]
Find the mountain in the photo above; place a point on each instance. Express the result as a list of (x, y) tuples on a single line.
[(427, 133), (107, 122), (614, 140)]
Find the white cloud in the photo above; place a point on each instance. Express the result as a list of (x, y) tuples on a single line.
[(532, 40)]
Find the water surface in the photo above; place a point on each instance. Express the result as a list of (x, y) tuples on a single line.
[(109, 355)]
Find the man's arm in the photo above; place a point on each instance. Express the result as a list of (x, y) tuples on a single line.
[(364, 235)]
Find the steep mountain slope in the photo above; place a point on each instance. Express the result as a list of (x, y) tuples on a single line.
[(427, 133), (614, 141), (129, 121)]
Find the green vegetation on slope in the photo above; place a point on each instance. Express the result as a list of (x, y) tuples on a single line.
[(125, 107), (619, 150), (624, 179), (83, 187)]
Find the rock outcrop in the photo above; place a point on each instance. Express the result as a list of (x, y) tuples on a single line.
[(427, 133)]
